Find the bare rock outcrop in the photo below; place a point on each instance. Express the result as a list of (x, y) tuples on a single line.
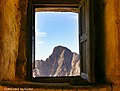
[(62, 62)]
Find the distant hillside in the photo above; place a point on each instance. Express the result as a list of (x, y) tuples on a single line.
[(62, 62)]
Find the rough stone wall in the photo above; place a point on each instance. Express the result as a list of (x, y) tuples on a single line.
[(107, 28), (11, 33), (112, 41), (117, 29), (9, 37), (22, 59)]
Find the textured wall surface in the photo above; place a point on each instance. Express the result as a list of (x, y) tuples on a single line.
[(112, 40), (12, 37), (107, 25), (13, 43), (22, 59), (117, 29), (9, 38)]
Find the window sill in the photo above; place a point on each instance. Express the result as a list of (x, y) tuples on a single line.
[(15, 84)]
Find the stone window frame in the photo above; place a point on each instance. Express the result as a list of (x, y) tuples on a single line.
[(71, 7)]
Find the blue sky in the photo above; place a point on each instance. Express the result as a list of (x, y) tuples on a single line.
[(53, 29)]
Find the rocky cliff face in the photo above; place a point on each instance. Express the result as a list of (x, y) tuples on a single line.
[(62, 62)]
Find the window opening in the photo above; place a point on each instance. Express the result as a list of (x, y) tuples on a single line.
[(56, 44), (83, 38)]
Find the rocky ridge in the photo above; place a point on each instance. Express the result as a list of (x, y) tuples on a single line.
[(62, 62)]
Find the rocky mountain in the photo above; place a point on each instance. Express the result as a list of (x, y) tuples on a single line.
[(62, 62)]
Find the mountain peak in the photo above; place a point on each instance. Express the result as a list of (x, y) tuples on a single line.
[(59, 46), (58, 49), (62, 62)]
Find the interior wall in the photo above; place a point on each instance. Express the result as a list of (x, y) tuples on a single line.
[(100, 39), (117, 29), (107, 25), (21, 62), (9, 37), (111, 42), (11, 33)]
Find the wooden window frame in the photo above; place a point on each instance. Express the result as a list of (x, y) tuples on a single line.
[(91, 67), (87, 26)]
